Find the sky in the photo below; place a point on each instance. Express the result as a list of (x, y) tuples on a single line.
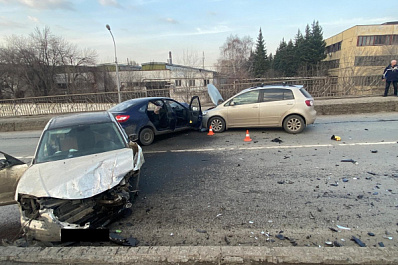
[(146, 30)]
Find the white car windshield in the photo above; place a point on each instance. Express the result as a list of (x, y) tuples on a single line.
[(80, 140)]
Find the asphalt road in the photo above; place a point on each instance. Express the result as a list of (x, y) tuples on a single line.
[(219, 190)]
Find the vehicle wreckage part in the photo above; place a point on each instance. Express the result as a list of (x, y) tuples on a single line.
[(101, 172), (44, 218)]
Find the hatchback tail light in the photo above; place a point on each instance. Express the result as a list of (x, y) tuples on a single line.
[(122, 118), (309, 102)]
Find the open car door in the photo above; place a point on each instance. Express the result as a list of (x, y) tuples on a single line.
[(195, 113), (11, 170)]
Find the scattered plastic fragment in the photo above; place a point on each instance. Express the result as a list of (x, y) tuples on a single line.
[(335, 184), (371, 234), (342, 227), (293, 242), (350, 160), (285, 182), (388, 237), (372, 173), (118, 231), (345, 180), (201, 231), (329, 243), (120, 240), (373, 151), (375, 193), (333, 229), (269, 221), (218, 215), (360, 196), (381, 244), (335, 137), (280, 236), (251, 222), (337, 244), (358, 241), (277, 140), (171, 234)]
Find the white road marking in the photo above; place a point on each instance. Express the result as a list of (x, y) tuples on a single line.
[(252, 148), (265, 147)]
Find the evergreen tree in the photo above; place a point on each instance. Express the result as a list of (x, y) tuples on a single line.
[(279, 58), (260, 60), (318, 45), (290, 67), (303, 55)]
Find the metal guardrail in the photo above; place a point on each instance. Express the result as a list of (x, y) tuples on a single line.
[(324, 87)]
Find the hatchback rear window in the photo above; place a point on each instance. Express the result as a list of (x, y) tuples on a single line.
[(277, 94), (305, 93)]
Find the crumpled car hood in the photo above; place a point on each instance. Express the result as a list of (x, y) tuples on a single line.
[(79, 177)]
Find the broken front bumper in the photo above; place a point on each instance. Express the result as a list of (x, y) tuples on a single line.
[(44, 218)]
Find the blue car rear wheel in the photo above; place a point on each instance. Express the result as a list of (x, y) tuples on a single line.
[(146, 136)]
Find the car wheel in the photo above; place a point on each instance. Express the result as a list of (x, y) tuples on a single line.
[(217, 124), (294, 124), (146, 136)]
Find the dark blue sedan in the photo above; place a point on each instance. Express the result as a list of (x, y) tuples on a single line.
[(143, 118)]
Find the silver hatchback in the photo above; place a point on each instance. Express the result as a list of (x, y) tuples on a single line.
[(287, 106)]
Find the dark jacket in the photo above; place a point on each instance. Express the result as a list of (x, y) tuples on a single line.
[(391, 73)]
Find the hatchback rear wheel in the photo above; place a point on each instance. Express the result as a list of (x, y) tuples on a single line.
[(294, 124)]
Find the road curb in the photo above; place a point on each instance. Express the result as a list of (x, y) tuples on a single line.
[(197, 255)]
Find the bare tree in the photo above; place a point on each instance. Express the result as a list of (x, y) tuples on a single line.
[(42, 61), (234, 55)]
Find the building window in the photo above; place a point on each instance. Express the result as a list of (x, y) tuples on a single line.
[(206, 82), (372, 60), (178, 82), (192, 82), (332, 64), (334, 47), (375, 40)]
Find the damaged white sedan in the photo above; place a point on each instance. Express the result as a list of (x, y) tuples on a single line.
[(84, 175)]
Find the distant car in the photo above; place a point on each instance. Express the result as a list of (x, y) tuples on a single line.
[(287, 106), (84, 175), (143, 118)]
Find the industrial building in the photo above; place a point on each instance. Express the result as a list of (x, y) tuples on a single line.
[(357, 57)]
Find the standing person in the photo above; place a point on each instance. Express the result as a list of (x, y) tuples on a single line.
[(391, 75)]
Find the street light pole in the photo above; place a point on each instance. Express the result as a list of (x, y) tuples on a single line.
[(117, 67)]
